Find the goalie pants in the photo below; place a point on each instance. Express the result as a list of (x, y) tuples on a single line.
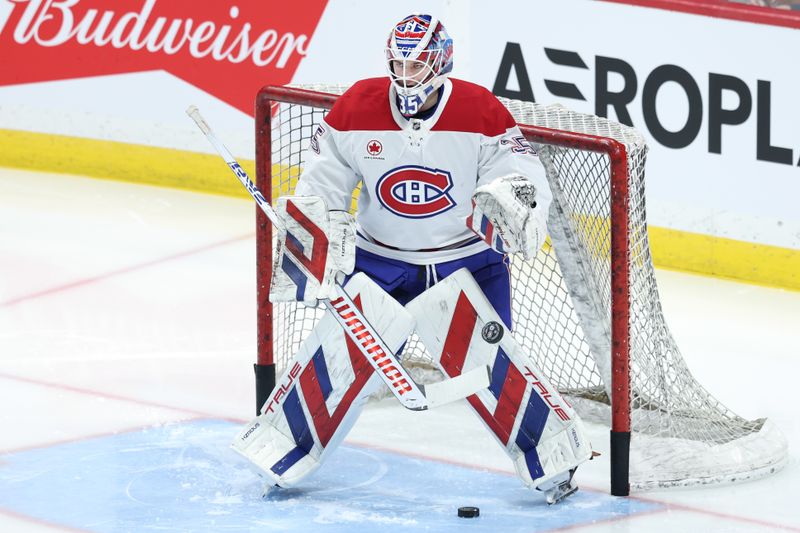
[(405, 281)]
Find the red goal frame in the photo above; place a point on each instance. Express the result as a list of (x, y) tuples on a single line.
[(620, 264)]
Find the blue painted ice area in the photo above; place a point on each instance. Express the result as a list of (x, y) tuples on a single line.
[(185, 478)]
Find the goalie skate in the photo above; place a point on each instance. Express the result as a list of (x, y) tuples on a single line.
[(559, 488), (270, 491)]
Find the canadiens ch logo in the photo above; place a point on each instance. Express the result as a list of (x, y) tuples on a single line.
[(374, 148), (415, 192)]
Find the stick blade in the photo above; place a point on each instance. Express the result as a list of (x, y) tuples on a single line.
[(458, 387)]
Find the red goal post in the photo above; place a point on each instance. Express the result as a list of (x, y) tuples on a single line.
[(587, 308)]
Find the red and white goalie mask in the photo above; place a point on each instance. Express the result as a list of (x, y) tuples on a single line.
[(419, 56)]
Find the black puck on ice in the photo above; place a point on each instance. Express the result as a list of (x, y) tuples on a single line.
[(468, 512)]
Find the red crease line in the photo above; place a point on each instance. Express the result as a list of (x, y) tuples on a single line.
[(91, 436), (109, 396), (101, 277), (39, 521)]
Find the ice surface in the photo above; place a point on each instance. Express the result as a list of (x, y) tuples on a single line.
[(127, 336)]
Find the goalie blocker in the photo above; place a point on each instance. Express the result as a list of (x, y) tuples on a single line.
[(314, 245), (537, 428)]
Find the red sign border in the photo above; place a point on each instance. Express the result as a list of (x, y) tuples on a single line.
[(723, 9)]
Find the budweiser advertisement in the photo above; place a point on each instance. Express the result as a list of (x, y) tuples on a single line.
[(227, 49)]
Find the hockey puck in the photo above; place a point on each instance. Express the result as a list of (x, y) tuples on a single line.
[(468, 512), (492, 332)]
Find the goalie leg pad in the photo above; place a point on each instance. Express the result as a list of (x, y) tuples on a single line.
[(319, 397), (536, 427)]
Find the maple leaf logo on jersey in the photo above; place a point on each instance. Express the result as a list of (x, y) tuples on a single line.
[(415, 192), (374, 147)]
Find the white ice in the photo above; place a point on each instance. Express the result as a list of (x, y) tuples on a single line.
[(126, 308)]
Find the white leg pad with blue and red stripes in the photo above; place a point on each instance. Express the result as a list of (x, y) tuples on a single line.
[(527, 415), (320, 395)]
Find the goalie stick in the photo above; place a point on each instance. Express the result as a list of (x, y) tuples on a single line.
[(409, 393)]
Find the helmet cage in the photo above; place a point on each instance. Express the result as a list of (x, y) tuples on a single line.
[(419, 56), (409, 75)]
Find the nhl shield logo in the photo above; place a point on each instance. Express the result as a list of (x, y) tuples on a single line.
[(374, 148), (415, 192)]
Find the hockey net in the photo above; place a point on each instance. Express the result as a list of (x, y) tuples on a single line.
[(596, 342)]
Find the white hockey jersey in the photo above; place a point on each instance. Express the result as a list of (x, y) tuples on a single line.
[(418, 175)]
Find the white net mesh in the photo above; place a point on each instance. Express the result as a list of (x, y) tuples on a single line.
[(681, 435)]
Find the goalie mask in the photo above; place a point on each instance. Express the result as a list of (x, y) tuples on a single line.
[(419, 56)]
